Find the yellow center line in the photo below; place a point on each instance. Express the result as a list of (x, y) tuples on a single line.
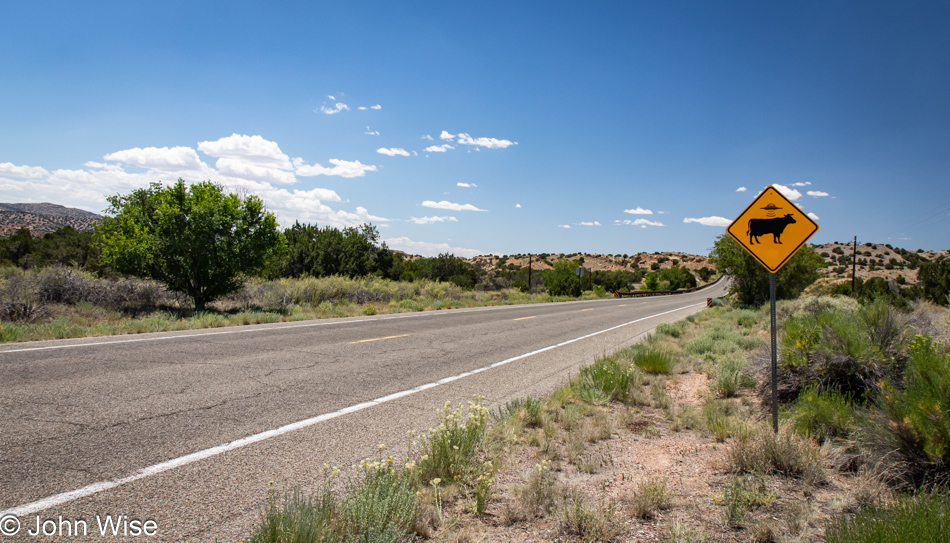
[(377, 339), (588, 309), (622, 305), (524, 318)]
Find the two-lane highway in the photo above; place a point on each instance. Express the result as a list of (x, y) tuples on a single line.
[(187, 429)]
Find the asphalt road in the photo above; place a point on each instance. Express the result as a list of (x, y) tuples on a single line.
[(189, 429)]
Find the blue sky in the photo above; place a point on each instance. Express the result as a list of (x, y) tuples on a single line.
[(505, 127)]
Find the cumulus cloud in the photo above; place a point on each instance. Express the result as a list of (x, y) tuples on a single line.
[(428, 249), (377, 106), (246, 164), (813, 216), (488, 143), (564, 226), (22, 172), (342, 168), (466, 185), (816, 193), (450, 206), (253, 149), (427, 137), (160, 158), (392, 151), (430, 220), (643, 223), (709, 221), (446, 136), (799, 184), (791, 194), (741, 189), (338, 107), (438, 148), (518, 205), (587, 223), (638, 211)]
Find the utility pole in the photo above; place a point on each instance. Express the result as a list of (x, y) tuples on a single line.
[(854, 265), (529, 272)]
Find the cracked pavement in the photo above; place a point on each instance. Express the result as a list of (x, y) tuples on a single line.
[(81, 415)]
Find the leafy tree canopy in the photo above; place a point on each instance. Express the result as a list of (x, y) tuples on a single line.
[(320, 252), (750, 280), (198, 240), (934, 279), (562, 280)]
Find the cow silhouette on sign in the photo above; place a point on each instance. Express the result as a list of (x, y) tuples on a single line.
[(761, 227)]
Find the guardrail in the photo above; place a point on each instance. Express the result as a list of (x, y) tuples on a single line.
[(643, 293)]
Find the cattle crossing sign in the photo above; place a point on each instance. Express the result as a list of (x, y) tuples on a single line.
[(772, 229)]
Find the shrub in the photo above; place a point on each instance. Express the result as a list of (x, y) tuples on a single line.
[(785, 452), (741, 495), (672, 330), (299, 520), (368, 309), (823, 414), (449, 450), (650, 497), (731, 375), (915, 417), (924, 518), (380, 506), (597, 522), (411, 305)]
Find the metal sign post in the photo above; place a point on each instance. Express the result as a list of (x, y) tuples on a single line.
[(759, 230)]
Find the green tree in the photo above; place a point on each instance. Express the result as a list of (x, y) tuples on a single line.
[(678, 278), (750, 280), (197, 240), (561, 280), (934, 279)]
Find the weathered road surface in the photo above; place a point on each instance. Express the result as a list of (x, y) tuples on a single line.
[(148, 426)]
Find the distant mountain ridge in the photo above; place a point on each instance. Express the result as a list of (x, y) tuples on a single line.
[(43, 218)]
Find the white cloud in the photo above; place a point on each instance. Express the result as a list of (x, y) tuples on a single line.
[(709, 221), (518, 205), (741, 189), (639, 222), (362, 108), (428, 249), (430, 220), (466, 185), (245, 164), (814, 217), (450, 206), (370, 132), (427, 137), (587, 223), (392, 151), (338, 107), (377, 106), (161, 158), (343, 168), (564, 226), (446, 136), (805, 184), (331, 97), (22, 172), (234, 167), (248, 148), (490, 143), (438, 148), (816, 193), (638, 211), (791, 194)]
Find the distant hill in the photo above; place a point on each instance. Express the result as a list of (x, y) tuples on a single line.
[(44, 218)]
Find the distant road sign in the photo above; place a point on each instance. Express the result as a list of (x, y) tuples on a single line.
[(772, 229)]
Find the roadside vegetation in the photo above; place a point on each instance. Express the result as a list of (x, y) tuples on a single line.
[(671, 439), (194, 256)]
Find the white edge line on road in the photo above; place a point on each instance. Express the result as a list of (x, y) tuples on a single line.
[(95, 488)]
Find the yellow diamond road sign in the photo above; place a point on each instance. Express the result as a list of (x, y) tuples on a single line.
[(772, 228)]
